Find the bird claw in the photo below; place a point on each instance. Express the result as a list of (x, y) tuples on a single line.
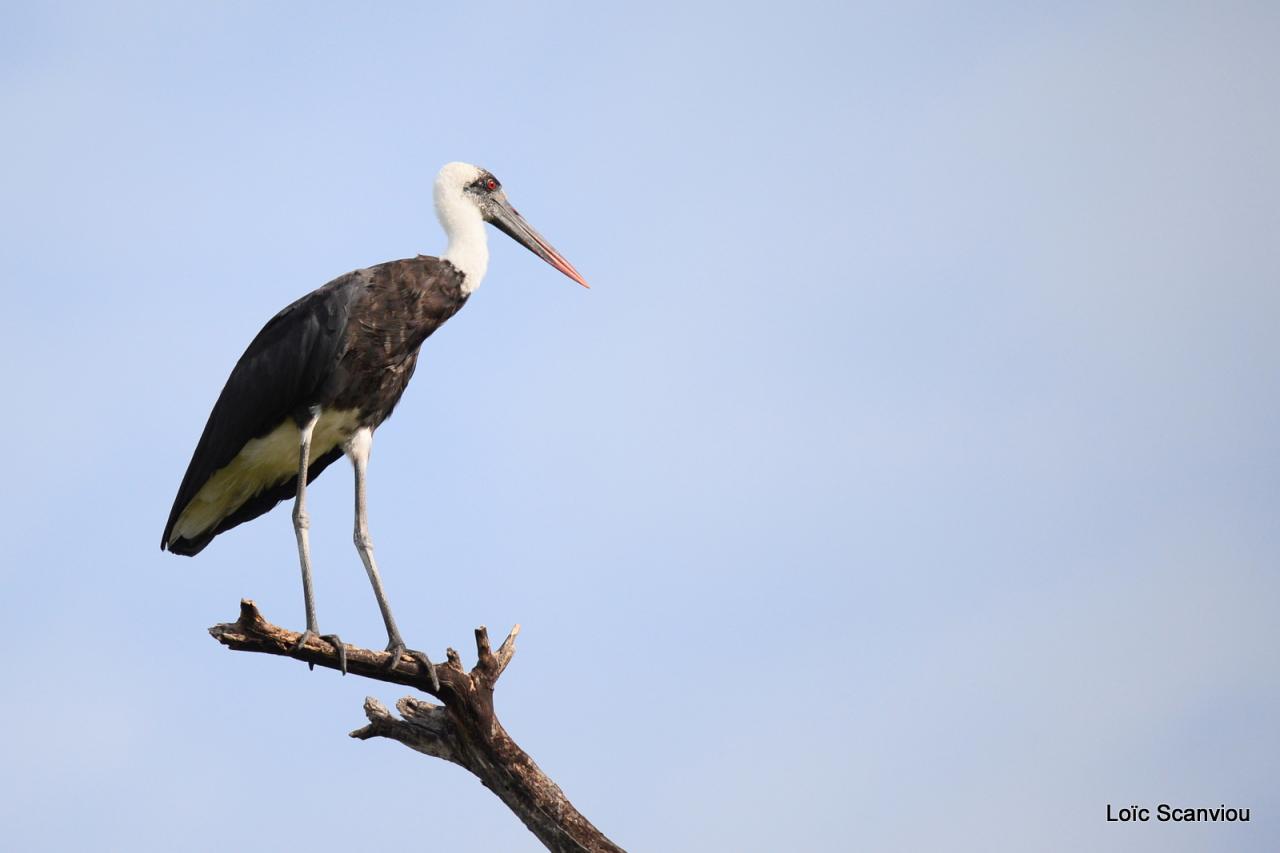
[(428, 667), (341, 648), (398, 650), (331, 639)]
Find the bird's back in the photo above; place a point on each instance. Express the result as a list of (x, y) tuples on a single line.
[(347, 350)]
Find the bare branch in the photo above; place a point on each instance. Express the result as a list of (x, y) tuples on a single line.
[(507, 650), (425, 727), (252, 633), (463, 730)]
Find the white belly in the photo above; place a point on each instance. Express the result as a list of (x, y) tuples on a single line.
[(260, 464)]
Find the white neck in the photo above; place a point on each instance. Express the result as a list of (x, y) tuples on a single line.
[(468, 248)]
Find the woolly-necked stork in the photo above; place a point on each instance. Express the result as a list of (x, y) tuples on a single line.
[(325, 372)]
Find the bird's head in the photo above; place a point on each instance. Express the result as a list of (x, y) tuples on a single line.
[(466, 194)]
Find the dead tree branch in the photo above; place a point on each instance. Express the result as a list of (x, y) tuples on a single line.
[(464, 729)]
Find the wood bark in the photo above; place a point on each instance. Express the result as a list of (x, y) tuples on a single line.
[(463, 729)]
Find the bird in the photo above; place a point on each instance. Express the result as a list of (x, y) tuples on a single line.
[(324, 373)]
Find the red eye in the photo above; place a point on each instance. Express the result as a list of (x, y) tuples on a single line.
[(491, 185)]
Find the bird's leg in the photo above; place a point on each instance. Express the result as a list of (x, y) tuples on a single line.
[(301, 526), (358, 448)]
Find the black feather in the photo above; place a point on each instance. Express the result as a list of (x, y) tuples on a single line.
[(352, 344)]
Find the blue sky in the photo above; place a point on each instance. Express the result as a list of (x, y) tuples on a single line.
[(907, 480)]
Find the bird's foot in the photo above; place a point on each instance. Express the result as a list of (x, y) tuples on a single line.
[(331, 639), (397, 650), (428, 668)]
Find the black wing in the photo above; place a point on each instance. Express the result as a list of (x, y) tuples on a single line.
[(282, 373)]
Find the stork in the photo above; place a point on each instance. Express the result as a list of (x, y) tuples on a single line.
[(324, 373)]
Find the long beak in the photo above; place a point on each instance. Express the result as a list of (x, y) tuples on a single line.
[(511, 223)]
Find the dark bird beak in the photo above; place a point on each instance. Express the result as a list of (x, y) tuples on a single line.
[(511, 223)]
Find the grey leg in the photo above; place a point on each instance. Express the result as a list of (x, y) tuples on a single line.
[(357, 449), (301, 526)]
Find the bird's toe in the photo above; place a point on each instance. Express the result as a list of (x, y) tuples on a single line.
[(332, 639), (396, 650), (304, 638), (336, 641), (428, 668)]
